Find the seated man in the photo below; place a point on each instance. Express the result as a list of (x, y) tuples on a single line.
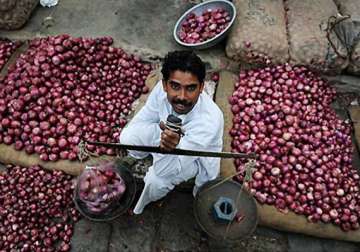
[(180, 93)]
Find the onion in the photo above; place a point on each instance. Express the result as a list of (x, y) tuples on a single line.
[(7, 48), (99, 187), (55, 93), (275, 171), (283, 114), (42, 210), (196, 29), (340, 192)]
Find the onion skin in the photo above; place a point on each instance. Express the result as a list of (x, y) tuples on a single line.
[(305, 149)]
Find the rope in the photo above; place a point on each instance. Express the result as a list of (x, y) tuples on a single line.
[(332, 22)]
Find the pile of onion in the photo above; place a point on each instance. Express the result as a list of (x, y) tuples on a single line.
[(63, 90), (196, 29), (100, 187), (7, 48), (283, 114), (36, 210)]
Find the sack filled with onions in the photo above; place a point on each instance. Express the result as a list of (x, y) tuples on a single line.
[(99, 189)]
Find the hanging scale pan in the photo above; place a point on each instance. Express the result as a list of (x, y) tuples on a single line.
[(223, 213), (120, 207)]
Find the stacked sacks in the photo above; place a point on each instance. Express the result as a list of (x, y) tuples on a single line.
[(258, 32), (351, 7), (14, 14), (309, 44)]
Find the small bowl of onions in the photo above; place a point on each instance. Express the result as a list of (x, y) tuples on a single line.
[(205, 24)]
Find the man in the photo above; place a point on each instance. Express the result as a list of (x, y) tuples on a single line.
[(180, 93)]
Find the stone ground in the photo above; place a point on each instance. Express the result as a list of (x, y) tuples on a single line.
[(145, 27)]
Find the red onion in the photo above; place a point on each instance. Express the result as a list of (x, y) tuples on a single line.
[(7, 48), (304, 148), (98, 187), (55, 93), (37, 209), (215, 77), (199, 28)]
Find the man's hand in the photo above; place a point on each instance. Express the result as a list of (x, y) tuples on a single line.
[(169, 139)]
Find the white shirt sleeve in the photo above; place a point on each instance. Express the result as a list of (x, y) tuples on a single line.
[(208, 168), (144, 129)]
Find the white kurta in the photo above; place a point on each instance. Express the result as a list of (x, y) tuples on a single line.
[(203, 127)]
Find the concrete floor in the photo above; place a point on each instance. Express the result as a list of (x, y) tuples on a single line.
[(144, 27), (172, 227)]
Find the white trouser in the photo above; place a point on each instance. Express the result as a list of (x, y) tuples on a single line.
[(156, 185)]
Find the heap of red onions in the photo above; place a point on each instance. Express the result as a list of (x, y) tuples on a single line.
[(63, 90), (283, 114), (100, 187), (196, 29), (7, 48), (36, 210)]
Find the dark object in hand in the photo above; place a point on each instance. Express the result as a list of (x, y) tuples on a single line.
[(174, 123)]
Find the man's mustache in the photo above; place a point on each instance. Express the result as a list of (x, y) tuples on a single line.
[(182, 102)]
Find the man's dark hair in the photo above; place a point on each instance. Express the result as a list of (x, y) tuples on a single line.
[(185, 61)]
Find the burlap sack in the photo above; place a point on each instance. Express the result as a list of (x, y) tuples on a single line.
[(259, 29), (352, 7), (15, 13), (354, 66), (268, 215), (8, 155), (354, 112), (309, 45)]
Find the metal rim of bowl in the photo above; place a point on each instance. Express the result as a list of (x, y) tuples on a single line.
[(213, 38), (197, 217), (116, 212)]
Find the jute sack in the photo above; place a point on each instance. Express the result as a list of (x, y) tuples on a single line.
[(268, 215), (354, 112), (259, 29), (8, 154), (352, 7), (309, 39), (15, 13)]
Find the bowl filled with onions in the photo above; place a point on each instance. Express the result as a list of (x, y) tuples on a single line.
[(205, 24), (104, 191)]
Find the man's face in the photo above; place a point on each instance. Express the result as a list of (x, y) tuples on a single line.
[(183, 90)]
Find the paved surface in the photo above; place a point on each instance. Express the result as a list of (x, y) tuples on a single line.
[(172, 227), (145, 27)]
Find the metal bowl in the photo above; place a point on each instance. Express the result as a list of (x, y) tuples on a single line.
[(198, 10), (117, 208)]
